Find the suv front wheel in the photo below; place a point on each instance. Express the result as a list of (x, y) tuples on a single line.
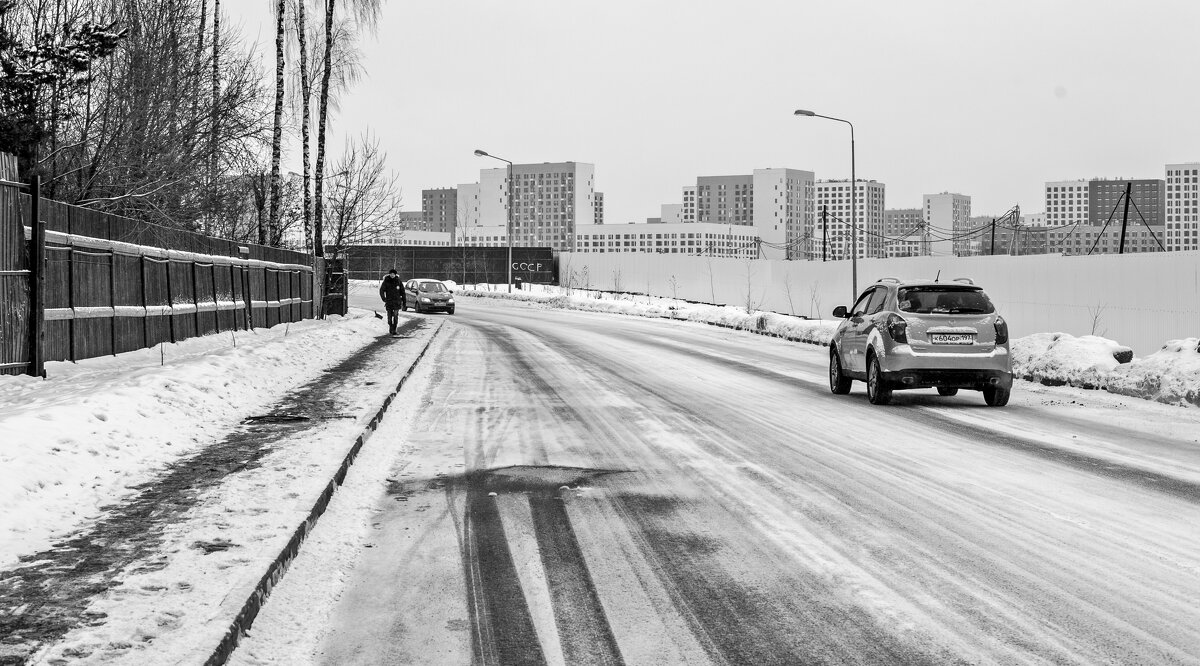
[(838, 382)]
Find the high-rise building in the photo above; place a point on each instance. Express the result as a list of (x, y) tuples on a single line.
[(689, 203), (903, 231), (599, 207), (784, 211), (947, 222), (725, 199), (1067, 202), (1106, 201), (1182, 207), (439, 209), (832, 200), (549, 201), (777, 202)]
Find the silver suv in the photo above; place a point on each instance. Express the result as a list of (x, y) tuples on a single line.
[(908, 335)]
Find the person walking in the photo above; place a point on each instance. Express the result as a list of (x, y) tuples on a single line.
[(391, 290)]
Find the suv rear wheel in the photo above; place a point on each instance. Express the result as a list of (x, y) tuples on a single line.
[(878, 392), (995, 396), (838, 382)]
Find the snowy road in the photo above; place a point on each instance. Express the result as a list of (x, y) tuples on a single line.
[(578, 488)]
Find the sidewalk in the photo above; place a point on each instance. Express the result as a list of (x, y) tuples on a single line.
[(163, 576)]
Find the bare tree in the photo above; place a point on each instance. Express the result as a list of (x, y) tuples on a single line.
[(277, 125), (365, 13), (363, 201), (787, 290), (141, 137), (301, 32), (814, 300), (751, 303), (1097, 314)]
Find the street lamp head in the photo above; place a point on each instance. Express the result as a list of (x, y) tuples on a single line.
[(480, 153), (803, 112)]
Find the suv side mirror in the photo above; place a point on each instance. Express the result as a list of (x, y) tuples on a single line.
[(840, 312)]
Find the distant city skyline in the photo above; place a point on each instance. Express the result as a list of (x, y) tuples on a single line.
[(988, 101)]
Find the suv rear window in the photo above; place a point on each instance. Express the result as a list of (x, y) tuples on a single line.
[(944, 300)]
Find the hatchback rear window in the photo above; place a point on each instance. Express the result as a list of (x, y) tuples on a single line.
[(944, 300)]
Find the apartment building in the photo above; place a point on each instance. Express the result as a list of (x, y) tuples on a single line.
[(947, 223), (903, 232), (694, 238), (1096, 239), (831, 237), (549, 201), (784, 211), (599, 199), (1106, 201), (439, 209), (1182, 207), (1067, 202), (689, 203), (492, 235), (777, 202), (725, 199), (468, 205)]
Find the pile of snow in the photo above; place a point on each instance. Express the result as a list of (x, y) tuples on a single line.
[(1170, 375), (815, 331), (84, 436), (1056, 359)]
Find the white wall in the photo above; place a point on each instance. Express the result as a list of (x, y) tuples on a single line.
[(1141, 300)]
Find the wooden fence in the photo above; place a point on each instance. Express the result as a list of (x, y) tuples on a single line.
[(110, 285)]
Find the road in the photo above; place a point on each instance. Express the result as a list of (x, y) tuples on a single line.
[(597, 489)]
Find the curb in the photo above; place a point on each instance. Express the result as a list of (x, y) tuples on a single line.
[(279, 565)]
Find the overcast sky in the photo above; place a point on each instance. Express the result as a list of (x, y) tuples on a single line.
[(985, 99)]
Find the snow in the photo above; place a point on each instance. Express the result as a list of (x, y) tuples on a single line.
[(81, 438), (1060, 358), (1170, 375), (815, 331), (93, 431)]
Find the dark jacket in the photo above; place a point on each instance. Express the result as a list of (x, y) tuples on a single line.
[(391, 290)]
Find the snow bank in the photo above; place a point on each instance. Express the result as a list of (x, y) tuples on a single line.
[(1056, 359), (814, 331), (81, 438), (1170, 375)]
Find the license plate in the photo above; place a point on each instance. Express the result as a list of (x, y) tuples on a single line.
[(951, 338)]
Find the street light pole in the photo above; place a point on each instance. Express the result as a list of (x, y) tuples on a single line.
[(508, 233), (853, 203)]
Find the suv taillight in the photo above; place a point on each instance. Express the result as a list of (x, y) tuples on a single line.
[(897, 328), (1001, 331)]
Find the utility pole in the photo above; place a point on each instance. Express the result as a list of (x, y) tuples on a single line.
[(1125, 217), (824, 231), (993, 248)]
